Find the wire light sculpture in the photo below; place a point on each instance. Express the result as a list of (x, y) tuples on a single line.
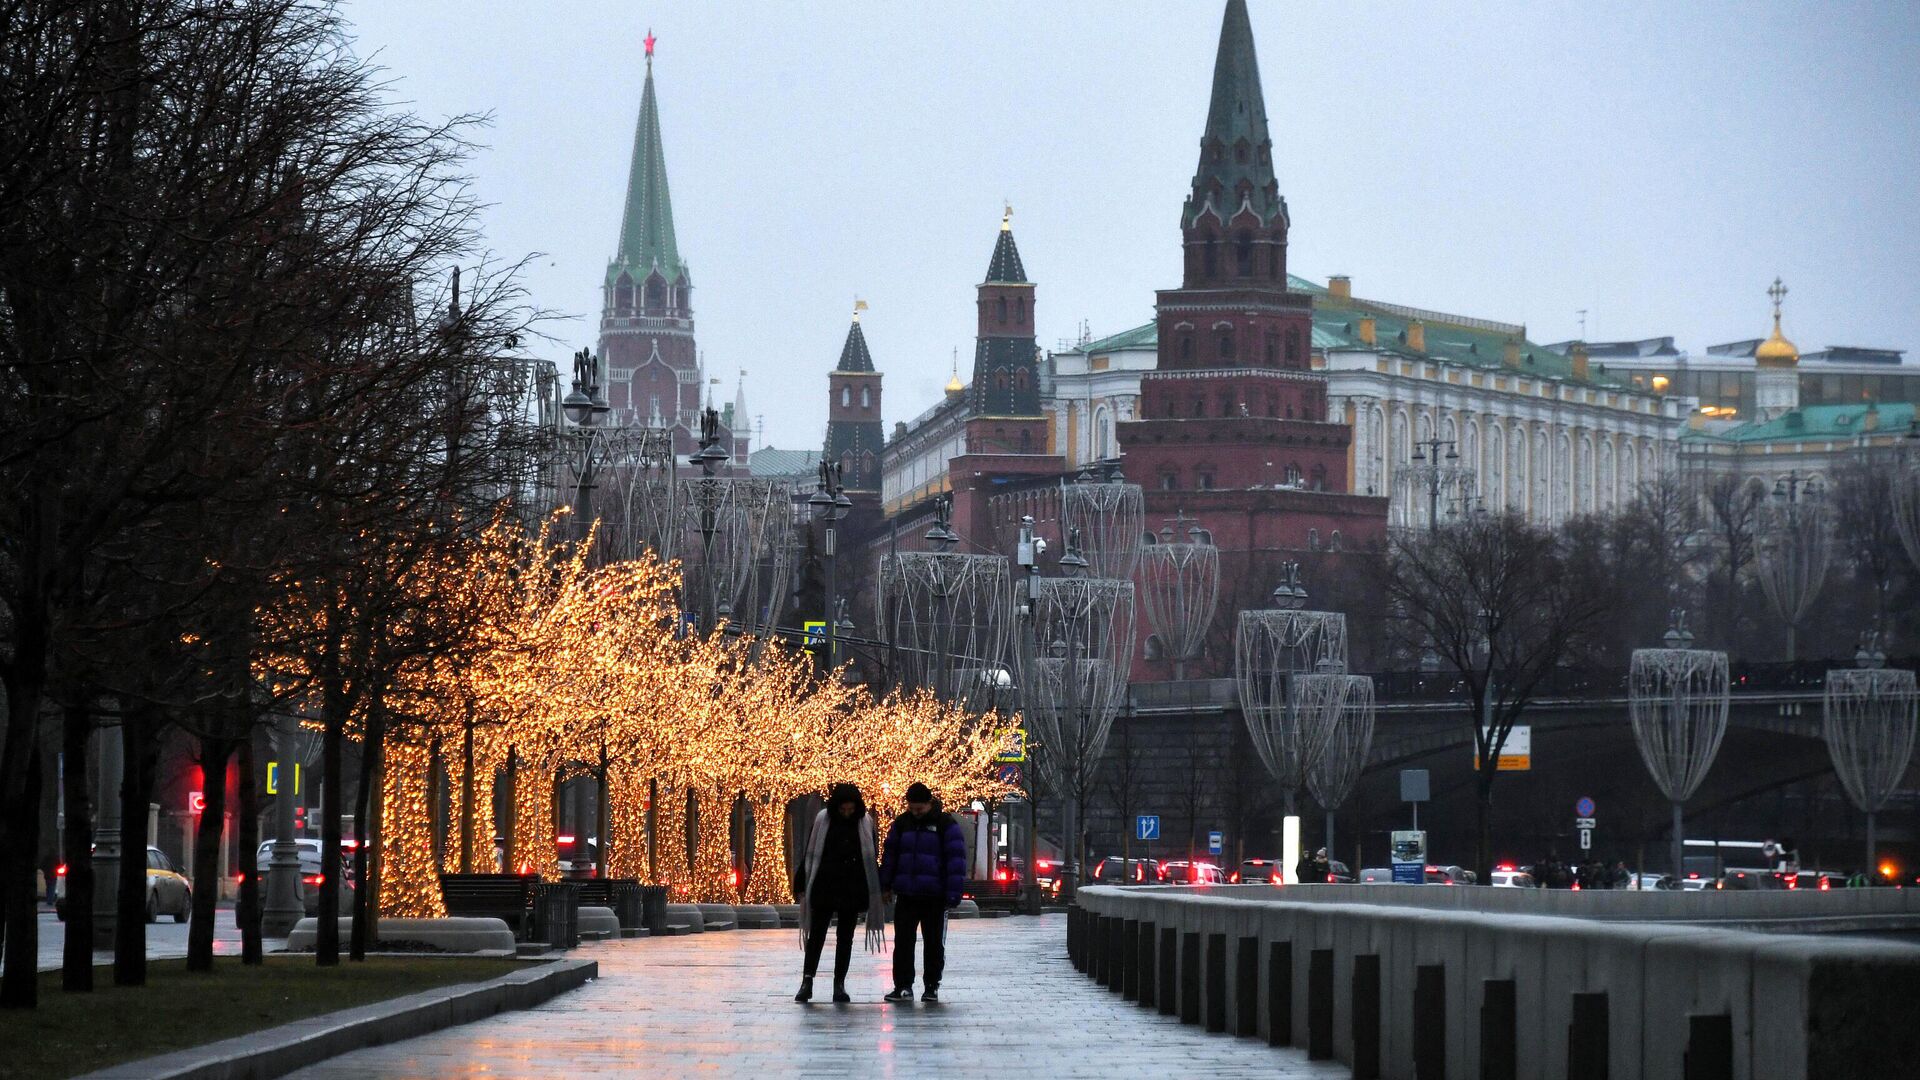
[(1869, 725), (730, 544), (1349, 739), (1180, 587), (947, 619), (1074, 679), (1906, 508), (1792, 551), (1110, 517), (1677, 699), (1271, 648)]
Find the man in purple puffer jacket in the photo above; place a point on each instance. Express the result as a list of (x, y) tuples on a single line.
[(922, 873)]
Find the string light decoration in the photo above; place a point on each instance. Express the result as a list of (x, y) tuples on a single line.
[(550, 662)]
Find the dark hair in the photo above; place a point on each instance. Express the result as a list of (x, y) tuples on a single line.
[(844, 792)]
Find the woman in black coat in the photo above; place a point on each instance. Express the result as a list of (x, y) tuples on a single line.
[(840, 881)]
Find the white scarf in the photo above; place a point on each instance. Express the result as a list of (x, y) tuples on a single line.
[(869, 859)]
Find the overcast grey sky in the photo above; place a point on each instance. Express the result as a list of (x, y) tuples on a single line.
[(1654, 163)]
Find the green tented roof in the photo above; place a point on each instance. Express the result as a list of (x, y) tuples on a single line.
[(1816, 423), (646, 226)]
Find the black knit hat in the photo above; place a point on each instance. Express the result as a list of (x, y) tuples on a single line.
[(919, 792)]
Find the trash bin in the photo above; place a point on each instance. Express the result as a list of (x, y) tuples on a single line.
[(653, 908), (556, 914), (629, 904)]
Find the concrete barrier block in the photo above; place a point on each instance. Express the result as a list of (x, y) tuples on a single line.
[(687, 915), (600, 922)]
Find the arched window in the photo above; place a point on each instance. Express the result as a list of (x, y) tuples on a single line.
[(1226, 403), (656, 294), (1186, 346), (1000, 378), (1313, 539), (1333, 541), (1153, 648), (846, 396), (1243, 254), (1000, 310), (1273, 350), (1020, 309), (623, 294), (1293, 474), (1026, 441), (1021, 379), (1169, 481), (1203, 481), (1199, 407), (1273, 405), (1209, 258), (1147, 538), (1293, 347), (1226, 346), (866, 398), (1319, 478)]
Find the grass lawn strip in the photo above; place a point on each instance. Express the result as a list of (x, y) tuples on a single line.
[(70, 1034)]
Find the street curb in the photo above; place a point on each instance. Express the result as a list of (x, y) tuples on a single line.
[(281, 1050)]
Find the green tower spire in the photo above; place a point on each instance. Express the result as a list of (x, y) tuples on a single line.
[(1236, 151), (646, 227)]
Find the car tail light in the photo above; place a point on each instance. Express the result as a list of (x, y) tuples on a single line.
[(1277, 879), (563, 839), (60, 871), (1045, 865), (1235, 879), (1825, 884), (1002, 876), (1330, 878), (733, 876), (1576, 886), (315, 879)]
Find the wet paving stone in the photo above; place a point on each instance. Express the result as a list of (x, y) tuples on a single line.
[(721, 1005)]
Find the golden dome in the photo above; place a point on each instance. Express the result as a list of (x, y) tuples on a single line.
[(1776, 351), (954, 385)]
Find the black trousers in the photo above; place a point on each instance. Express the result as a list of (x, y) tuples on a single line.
[(914, 915), (818, 918)]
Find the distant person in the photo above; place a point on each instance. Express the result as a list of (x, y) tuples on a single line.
[(922, 871), (840, 880)]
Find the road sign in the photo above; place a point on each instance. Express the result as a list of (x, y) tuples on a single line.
[(273, 778), (1583, 808), (1516, 754), (1015, 748), (1583, 823), (814, 631), (196, 802), (1586, 839), (1414, 786), (1146, 827), (1214, 840), (1009, 774)]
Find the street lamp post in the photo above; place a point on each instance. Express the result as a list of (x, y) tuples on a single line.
[(584, 407), (1436, 474), (282, 908), (829, 500), (708, 459)]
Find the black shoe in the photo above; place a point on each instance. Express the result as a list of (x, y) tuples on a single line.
[(932, 994), (806, 989), (840, 995), (899, 993)]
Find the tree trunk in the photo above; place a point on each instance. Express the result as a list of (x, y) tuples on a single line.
[(366, 825), (246, 908), (215, 754), (76, 956), (1483, 820), (140, 749), (326, 945), (19, 806)]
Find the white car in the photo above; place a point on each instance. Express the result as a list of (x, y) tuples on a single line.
[(1513, 879)]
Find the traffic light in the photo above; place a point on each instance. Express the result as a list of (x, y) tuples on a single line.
[(300, 818)]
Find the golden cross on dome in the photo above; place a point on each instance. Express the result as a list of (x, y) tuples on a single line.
[(1777, 292)]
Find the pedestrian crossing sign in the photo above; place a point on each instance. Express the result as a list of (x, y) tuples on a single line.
[(1015, 748), (816, 632)]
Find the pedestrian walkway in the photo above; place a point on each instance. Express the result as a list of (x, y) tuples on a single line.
[(166, 940), (720, 1005)]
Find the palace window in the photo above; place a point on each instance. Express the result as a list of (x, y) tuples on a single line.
[(866, 398), (1000, 310)]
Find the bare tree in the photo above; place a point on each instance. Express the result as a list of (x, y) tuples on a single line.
[(1499, 601), (1734, 506)]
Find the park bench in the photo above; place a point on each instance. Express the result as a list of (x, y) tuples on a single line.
[(507, 897)]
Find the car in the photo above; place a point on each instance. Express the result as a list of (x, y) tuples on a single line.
[(1255, 871), (1649, 882), (1449, 875), (1339, 873), (1182, 872), (169, 892), (1114, 870), (311, 877), (1513, 879), (1376, 875)]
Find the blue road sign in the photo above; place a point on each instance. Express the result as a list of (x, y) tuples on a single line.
[(1010, 774), (1214, 840), (1146, 827), (1583, 808)]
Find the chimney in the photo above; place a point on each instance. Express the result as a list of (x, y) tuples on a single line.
[(1417, 336), (1510, 353), (1579, 356), (1340, 286), (1366, 330)]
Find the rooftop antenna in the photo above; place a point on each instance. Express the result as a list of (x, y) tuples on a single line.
[(1583, 323)]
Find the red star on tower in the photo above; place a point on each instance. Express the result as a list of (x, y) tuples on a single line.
[(649, 42)]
